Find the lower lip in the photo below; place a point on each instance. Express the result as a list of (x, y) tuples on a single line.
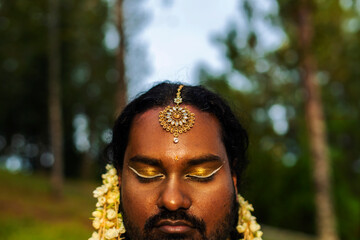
[(175, 229)]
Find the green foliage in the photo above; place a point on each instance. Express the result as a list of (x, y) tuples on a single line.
[(88, 75), (279, 181)]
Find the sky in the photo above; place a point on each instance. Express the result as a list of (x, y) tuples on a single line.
[(178, 37)]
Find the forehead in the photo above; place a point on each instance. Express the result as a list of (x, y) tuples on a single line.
[(148, 138)]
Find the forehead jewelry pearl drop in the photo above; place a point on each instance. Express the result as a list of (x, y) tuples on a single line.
[(176, 119)]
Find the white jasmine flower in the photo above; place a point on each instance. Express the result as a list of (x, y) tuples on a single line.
[(95, 236), (102, 200), (259, 234), (113, 197), (111, 214), (254, 227), (100, 191), (111, 233), (240, 228), (121, 227), (108, 222), (112, 171), (247, 223), (97, 213), (96, 223)]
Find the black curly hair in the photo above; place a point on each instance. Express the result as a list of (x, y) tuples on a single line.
[(234, 136)]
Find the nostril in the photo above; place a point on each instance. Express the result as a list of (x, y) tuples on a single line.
[(173, 198)]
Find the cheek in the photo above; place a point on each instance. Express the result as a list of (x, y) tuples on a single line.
[(137, 204), (214, 203)]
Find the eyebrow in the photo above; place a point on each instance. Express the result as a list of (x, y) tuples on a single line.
[(146, 160), (203, 159), (192, 162)]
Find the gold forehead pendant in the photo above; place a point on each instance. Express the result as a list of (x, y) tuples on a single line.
[(176, 119)]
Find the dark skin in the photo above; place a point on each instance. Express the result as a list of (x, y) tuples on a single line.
[(192, 177)]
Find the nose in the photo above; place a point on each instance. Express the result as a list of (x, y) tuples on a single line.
[(173, 195)]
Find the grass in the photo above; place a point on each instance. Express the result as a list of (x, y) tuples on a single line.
[(271, 233), (28, 212)]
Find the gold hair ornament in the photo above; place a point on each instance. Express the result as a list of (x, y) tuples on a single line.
[(107, 220), (247, 224), (176, 119)]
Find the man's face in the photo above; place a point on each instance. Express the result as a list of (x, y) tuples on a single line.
[(177, 191)]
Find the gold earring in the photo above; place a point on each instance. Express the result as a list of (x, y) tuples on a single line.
[(247, 224), (176, 120), (107, 220)]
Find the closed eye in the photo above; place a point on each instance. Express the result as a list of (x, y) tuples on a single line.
[(202, 173), (147, 173)]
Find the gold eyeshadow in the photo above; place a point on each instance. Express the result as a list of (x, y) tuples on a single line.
[(203, 171), (147, 172)]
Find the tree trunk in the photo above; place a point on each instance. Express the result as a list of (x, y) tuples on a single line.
[(325, 217), (55, 115), (121, 95), (86, 165)]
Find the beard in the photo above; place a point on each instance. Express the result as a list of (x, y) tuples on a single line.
[(224, 229)]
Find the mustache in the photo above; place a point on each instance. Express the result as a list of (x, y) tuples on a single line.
[(196, 222)]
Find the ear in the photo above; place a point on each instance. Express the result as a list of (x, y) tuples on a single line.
[(234, 179)]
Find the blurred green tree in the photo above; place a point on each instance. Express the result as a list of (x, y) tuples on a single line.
[(88, 40), (88, 77), (267, 85)]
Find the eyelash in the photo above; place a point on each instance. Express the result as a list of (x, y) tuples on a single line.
[(147, 180), (200, 179), (187, 176), (204, 179)]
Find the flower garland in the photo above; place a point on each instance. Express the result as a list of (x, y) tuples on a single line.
[(107, 220), (247, 224)]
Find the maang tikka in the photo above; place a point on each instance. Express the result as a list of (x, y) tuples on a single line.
[(176, 119)]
